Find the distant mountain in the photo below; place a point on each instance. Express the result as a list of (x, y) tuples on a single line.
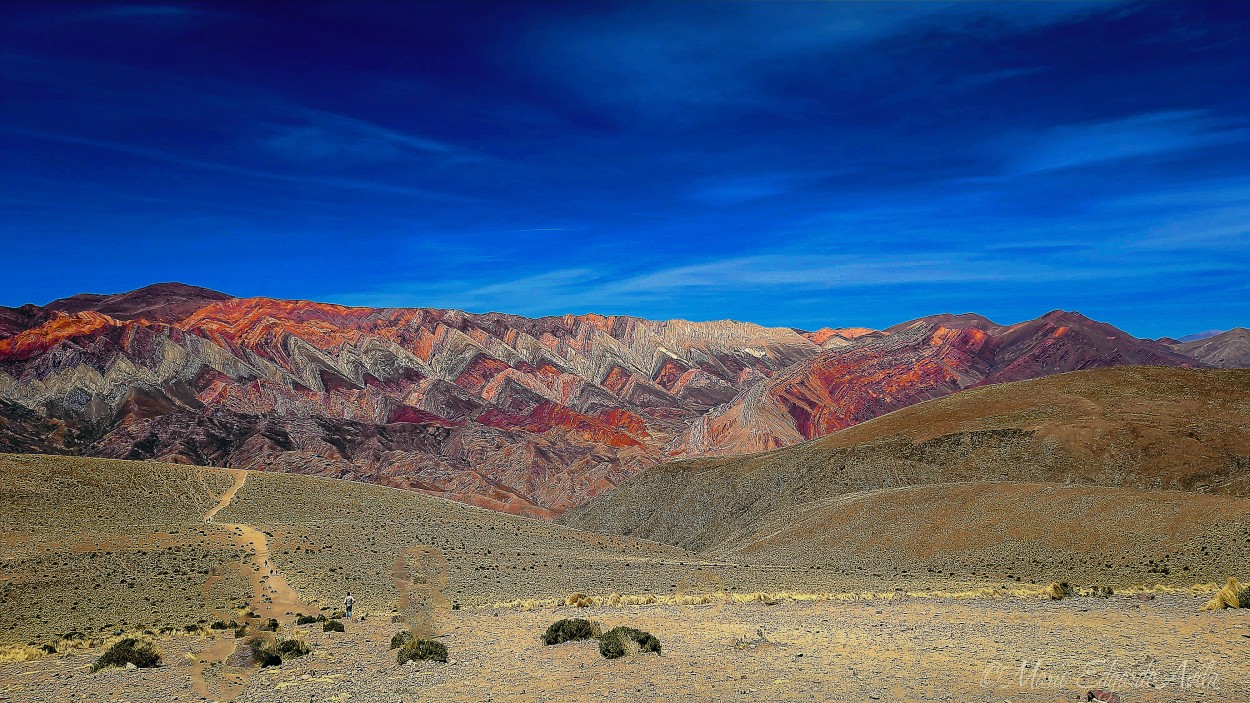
[(910, 363), (1199, 335), (162, 302), (1226, 350), (530, 416), (523, 415)]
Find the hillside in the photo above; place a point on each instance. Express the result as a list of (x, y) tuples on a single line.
[(94, 545), (1130, 427), (1006, 532), (526, 416)]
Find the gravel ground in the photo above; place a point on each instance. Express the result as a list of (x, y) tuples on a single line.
[(914, 649)]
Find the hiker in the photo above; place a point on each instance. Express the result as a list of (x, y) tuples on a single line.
[(348, 602)]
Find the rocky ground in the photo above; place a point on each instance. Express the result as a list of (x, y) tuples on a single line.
[(911, 649)]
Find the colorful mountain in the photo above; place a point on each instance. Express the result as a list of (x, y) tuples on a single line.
[(529, 416), (909, 363)]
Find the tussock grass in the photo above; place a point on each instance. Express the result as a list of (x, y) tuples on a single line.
[(578, 600), (1060, 590), (19, 653), (985, 592), (1232, 595)]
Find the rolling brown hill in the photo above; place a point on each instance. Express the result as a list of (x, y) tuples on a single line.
[(1128, 427), (530, 416)]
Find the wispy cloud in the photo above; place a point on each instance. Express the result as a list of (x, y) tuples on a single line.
[(314, 135), (229, 169), (656, 59), (1077, 145)]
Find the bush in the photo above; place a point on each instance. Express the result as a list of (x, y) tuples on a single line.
[(265, 650), (141, 653), (294, 646), (422, 650), (303, 619), (332, 626), (269, 650), (568, 630), (1103, 591), (402, 638), (270, 625), (620, 641)]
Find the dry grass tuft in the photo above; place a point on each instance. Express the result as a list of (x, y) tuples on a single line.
[(1059, 590), (1232, 595), (19, 653), (579, 600)]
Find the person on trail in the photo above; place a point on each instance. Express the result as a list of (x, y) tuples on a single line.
[(348, 602)]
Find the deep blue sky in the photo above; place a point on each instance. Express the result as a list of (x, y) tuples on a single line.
[(801, 164)]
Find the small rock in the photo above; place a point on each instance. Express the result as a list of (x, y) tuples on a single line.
[(131, 665), (1102, 695)]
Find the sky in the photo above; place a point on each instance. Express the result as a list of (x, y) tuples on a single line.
[(809, 164)]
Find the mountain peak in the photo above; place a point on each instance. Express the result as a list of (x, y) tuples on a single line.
[(160, 302)]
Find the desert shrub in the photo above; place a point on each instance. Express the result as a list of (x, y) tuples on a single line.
[(130, 650), (1059, 590), (1232, 595), (620, 641), (222, 625), (265, 649), (332, 626), (270, 625), (295, 645), (422, 650), (401, 638), (568, 630), (268, 650), (303, 619), (1103, 591)]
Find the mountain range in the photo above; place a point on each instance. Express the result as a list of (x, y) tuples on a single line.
[(531, 416)]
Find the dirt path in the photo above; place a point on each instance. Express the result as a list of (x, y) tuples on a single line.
[(272, 597)]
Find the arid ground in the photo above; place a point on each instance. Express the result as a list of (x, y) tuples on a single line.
[(908, 649), (107, 548)]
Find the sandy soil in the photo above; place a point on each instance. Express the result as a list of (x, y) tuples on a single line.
[(903, 650)]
